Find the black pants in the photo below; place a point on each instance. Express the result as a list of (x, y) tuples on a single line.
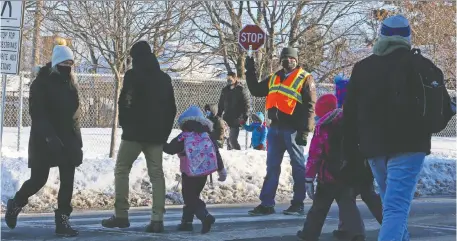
[(232, 143), (323, 199), (193, 205), (37, 181), (370, 198)]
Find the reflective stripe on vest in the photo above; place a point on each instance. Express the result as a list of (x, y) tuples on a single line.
[(285, 95)]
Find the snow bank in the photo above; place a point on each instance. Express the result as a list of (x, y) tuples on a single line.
[(94, 180)]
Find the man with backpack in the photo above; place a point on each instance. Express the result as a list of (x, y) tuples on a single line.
[(396, 99)]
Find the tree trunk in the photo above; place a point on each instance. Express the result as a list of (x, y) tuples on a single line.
[(36, 33), (117, 90)]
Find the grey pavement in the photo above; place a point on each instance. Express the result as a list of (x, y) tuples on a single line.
[(430, 219)]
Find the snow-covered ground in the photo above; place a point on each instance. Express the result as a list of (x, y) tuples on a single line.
[(94, 179)]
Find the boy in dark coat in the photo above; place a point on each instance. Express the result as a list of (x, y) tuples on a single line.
[(218, 133)]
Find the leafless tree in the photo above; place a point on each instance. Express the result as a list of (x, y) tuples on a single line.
[(110, 28)]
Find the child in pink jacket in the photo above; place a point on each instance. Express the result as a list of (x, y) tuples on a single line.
[(325, 160)]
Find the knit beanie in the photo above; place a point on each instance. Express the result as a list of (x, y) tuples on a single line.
[(140, 49), (340, 89), (289, 52), (396, 26), (325, 104), (194, 113), (61, 52)]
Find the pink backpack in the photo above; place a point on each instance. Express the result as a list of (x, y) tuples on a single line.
[(200, 158)]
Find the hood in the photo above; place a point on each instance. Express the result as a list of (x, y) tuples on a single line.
[(212, 108), (259, 117), (147, 63), (193, 113), (332, 118)]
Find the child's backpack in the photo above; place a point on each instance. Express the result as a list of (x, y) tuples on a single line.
[(201, 159)]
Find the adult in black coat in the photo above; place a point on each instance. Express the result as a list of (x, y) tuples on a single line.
[(147, 110), (234, 104), (55, 137)]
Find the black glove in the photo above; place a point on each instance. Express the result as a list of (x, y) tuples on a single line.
[(55, 145), (249, 63), (302, 138)]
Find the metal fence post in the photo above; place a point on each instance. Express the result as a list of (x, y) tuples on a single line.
[(19, 116), (2, 111)]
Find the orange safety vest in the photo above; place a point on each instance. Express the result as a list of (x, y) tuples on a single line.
[(285, 95)]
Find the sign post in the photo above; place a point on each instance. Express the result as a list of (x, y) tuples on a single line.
[(251, 38), (12, 15)]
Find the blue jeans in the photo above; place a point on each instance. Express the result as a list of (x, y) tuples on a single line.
[(397, 177), (280, 140)]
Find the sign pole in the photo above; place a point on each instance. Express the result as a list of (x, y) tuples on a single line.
[(19, 116), (3, 110)]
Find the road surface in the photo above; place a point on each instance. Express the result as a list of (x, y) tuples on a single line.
[(431, 219)]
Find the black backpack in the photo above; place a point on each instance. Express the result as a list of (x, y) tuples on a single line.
[(335, 160), (430, 93)]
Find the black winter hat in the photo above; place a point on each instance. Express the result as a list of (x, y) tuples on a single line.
[(140, 48), (289, 52)]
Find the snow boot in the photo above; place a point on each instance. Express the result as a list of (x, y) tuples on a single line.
[(12, 211), (185, 226), (301, 236), (340, 234), (207, 222), (63, 227), (114, 222), (358, 238), (155, 227), (261, 211), (295, 209)]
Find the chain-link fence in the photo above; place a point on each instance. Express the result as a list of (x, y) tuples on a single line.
[(97, 105)]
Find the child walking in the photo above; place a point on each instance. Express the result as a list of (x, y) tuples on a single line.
[(199, 157), (326, 161), (259, 131)]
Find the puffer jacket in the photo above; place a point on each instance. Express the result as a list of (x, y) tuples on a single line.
[(320, 147), (259, 130), (218, 133)]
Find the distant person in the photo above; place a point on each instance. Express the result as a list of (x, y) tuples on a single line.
[(396, 99), (259, 131), (218, 133), (55, 137), (233, 107), (147, 111), (199, 157), (291, 95)]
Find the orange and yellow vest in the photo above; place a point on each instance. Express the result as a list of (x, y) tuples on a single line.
[(285, 95)]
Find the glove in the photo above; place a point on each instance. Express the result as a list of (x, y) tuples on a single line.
[(302, 138), (309, 184), (249, 63), (242, 122), (54, 144), (222, 175)]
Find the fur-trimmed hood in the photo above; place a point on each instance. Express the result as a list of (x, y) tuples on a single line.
[(194, 113)]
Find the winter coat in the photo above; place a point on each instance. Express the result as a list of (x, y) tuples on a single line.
[(302, 119), (176, 146), (234, 105), (55, 112), (320, 147), (147, 107), (218, 133), (259, 131), (368, 121)]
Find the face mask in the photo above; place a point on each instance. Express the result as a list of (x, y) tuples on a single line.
[(229, 82), (289, 64), (64, 70)]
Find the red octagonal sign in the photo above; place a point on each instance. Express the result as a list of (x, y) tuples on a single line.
[(251, 35)]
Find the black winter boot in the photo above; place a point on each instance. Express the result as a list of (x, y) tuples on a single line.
[(185, 226), (207, 222), (155, 227), (12, 211), (115, 222), (63, 227)]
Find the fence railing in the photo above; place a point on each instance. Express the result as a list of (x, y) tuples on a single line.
[(97, 106)]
